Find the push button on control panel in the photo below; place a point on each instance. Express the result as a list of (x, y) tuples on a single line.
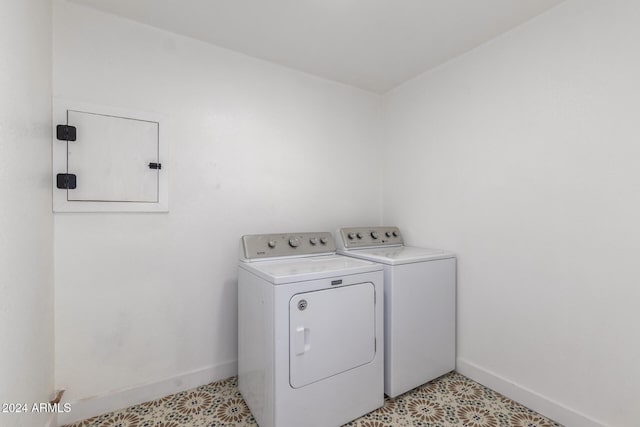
[(294, 243)]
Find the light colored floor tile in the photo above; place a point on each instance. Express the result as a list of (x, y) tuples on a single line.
[(451, 400)]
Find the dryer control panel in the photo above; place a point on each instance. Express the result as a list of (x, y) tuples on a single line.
[(259, 246), (366, 237)]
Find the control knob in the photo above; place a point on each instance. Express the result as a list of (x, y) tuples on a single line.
[(374, 234), (271, 244), (313, 241), (360, 236), (395, 234), (323, 240), (388, 234), (351, 236), (294, 243)]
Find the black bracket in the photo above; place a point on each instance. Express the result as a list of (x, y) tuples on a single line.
[(66, 133), (155, 165), (66, 181)]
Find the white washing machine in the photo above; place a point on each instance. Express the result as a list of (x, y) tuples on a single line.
[(419, 305), (310, 331)]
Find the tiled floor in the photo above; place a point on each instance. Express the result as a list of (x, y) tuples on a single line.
[(451, 400)]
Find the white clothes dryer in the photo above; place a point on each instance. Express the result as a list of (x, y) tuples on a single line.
[(310, 331), (419, 304)]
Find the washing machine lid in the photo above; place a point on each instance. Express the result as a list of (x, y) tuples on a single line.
[(292, 270), (396, 255)]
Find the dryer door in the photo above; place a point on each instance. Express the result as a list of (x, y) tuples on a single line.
[(330, 331)]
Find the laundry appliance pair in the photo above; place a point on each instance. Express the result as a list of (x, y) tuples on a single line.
[(324, 330)]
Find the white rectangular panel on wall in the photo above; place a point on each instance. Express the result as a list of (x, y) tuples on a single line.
[(107, 160)]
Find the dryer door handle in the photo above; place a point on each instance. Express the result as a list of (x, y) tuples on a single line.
[(301, 340)]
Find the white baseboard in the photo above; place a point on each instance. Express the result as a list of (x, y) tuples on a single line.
[(108, 402), (529, 398)]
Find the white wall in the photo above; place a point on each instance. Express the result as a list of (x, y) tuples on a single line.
[(254, 148), (522, 156), (26, 224)]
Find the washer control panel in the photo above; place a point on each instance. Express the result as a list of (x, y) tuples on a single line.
[(363, 237), (256, 246)]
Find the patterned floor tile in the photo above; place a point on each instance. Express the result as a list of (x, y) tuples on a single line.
[(451, 400)]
